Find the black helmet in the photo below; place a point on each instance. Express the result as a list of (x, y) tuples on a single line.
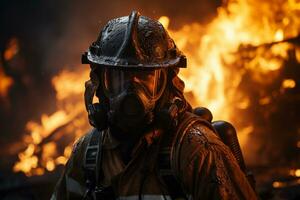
[(134, 41)]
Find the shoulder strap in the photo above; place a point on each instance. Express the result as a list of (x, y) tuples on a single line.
[(92, 162), (164, 158), (92, 167)]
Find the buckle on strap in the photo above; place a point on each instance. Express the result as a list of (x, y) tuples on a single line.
[(93, 159)]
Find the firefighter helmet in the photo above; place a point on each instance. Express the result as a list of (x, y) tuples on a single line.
[(134, 41)]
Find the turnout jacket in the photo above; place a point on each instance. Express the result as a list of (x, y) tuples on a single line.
[(203, 165)]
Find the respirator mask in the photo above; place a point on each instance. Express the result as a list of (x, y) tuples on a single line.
[(132, 95)]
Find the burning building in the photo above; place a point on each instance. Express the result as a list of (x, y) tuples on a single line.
[(243, 64)]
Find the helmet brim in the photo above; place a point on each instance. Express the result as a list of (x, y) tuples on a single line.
[(106, 61)]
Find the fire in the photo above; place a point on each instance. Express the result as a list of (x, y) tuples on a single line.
[(28, 160), (295, 172), (42, 153), (212, 50), (5, 83), (246, 34), (277, 184), (12, 49), (288, 83)]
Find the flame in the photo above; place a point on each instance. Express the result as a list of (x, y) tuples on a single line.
[(295, 172), (27, 160), (288, 83), (42, 153), (12, 49), (210, 79), (165, 21), (5, 83), (264, 100), (72, 86), (211, 50), (277, 184)]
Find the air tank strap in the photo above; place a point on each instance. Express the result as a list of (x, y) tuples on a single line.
[(166, 172), (92, 166)]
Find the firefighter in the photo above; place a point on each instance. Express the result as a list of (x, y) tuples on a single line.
[(147, 143)]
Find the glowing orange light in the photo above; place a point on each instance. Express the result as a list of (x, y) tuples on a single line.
[(70, 88), (5, 83), (61, 160), (297, 173), (164, 20), (277, 184), (279, 35), (12, 49), (265, 101), (288, 83), (67, 151), (50, 165)]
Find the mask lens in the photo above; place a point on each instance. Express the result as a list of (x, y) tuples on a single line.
[(113, 81), (151, 81)]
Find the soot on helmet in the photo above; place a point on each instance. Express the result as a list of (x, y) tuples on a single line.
[(132, 95)]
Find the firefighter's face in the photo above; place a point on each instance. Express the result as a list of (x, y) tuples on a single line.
[(132, 94)]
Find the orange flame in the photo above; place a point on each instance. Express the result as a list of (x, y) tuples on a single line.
[(5, 83), (210, 50), (70, 116), (288, 83), (12, 49)]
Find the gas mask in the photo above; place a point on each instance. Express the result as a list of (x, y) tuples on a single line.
[(132, 95)]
